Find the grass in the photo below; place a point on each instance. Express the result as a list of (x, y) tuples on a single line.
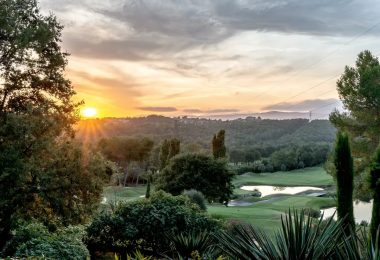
[(266, 212), (117, 193), (315, 176)]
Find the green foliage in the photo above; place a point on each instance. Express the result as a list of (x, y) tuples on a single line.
[(374, 182), (359, 90), (35, 240), (144, 224), (185, 244), (147, 193), (218, 146), (196, 197), (344, 179), (169, 149), (300, 237), (195, 171), (263, 136), (44, 174), (123, 151)]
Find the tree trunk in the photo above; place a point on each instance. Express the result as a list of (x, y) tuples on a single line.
[(137, 179), (125, 176)]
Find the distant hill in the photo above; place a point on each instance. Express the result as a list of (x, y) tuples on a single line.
[(240, 133)]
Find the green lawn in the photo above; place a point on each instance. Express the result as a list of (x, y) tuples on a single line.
[(265, 213), (117, 193), (315, 176)]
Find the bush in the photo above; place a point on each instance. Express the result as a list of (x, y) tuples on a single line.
[(197, 198), (196, 171), (144, 224), (35, 240)]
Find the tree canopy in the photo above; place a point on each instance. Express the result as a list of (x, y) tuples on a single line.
[(196, 171), (359, 90), (43, 173)]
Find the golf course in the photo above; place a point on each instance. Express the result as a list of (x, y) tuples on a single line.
[(263, 212)]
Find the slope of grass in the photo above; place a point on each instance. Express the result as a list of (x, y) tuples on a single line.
[(315, 176), (266, 215)]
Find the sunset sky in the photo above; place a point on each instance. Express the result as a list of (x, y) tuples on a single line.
[(202, 58)]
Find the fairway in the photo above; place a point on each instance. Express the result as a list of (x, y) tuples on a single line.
[(264, 213), (314, 176)]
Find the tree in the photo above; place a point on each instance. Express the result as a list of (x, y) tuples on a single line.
[(374, 182), (199, 172), (218, 147), (123, 151), (169, 149), (36, 116), (344, 180), (359, 90)]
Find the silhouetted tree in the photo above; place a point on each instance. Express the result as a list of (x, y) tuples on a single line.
[(218, 146), (375, 187), (344, 179)]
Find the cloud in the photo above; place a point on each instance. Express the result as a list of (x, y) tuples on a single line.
[(306, 105), (210, 111), (214, 111), (193, 111), (158, 109), (151, 30)]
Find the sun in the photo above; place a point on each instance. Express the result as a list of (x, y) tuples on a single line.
[(89, 112)]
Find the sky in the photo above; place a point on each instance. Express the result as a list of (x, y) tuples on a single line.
[(212, 57)]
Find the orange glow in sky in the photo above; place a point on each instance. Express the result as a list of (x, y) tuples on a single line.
[(135, 58)]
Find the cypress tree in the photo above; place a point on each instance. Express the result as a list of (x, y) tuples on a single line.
[(174, 148), (169, 149), (147, 193), (164, 153), (375, 187), (345, 180), (218, 146)]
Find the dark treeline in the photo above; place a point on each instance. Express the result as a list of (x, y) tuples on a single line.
[(240, 133), (282, 158)]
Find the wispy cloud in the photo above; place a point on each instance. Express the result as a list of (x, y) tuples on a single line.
[(305, 105), (158, 109)]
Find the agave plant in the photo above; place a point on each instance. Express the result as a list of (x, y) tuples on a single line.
[(358, 246), (189, 244), (300, 237)]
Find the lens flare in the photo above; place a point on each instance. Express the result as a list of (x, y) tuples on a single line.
[(89, 112)]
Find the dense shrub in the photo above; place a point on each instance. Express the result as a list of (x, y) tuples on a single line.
[(144, 224), (196, 197), (35, 240)]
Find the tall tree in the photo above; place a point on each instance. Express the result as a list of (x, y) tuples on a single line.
[(359, 90), (164, 153), (218, 146), (375, 187), (36, 114), (344, 180), (169, 149)]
